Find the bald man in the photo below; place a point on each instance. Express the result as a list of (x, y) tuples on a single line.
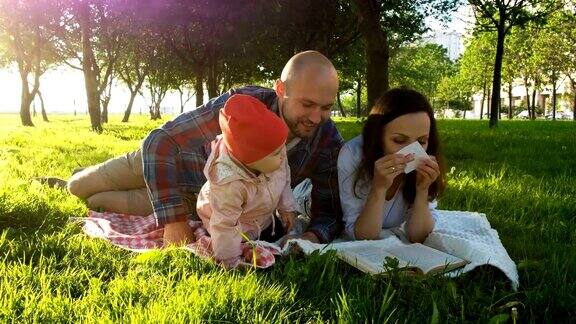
[(165, 176)]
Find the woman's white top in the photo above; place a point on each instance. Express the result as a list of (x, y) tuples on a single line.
[(396, 210)]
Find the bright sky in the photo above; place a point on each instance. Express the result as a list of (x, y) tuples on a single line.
[(63, 88), (462, 19), (63, 92)]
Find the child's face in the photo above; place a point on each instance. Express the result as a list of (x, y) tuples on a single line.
[(405, 130), (269, 163)]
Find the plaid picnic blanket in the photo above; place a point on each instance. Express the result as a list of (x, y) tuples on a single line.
[(140, 234), (467, 235)]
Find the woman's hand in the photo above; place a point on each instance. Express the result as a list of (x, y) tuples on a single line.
[(387, 168), (426, 173)]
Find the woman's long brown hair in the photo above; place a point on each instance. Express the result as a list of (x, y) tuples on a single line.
[(393, 104)]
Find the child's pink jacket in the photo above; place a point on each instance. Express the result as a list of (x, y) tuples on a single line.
[(234, 200)]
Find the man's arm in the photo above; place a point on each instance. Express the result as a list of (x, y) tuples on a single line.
[(161, 157), (326, 211)]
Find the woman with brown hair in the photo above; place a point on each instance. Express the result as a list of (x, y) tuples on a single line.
[(375, 192)]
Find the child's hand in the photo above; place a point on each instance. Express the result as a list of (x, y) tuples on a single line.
[(288, 219), (263, 256)]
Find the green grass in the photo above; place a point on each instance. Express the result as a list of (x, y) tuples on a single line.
[(522, 175)]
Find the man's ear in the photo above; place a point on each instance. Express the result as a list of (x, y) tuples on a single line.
[(280, 88)]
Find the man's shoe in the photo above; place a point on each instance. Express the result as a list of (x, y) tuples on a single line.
[(52, 182)]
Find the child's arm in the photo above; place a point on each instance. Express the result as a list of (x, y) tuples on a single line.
[(226, 202), (287, 204)]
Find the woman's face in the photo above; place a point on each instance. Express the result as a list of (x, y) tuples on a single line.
[(405, 130)]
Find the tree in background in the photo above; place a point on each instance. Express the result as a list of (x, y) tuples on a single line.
[(159, 80), (521, 58), (350, 64), (133, 63), (454, 92), (565, 27), (25, 27), (550, 53), (475, 67), (214, 45), (387, 24), (421, 67), (203, 35), (89, 40), (509, 74), (5, 57), (501, 16)]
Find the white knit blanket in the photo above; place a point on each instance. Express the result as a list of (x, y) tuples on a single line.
[(467, 235)]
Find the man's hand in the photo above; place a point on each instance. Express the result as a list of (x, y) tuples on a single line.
[(308, 236), (178, 233)]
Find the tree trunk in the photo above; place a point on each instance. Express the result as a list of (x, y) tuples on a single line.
[(489, 103), (157, 95), (25, 116), (496, 81), (198, 87), (104, 115), (342, 113), (181, 100), (534, 103), (25, 101), (573, 84), (106, 94), (483, 99), (44, 114), (527, 97), (133, 94), (358, 97), (152, 113), (128, 110), (157, 114), (554, 81), (510, 100), (212, 82), (377, 51), (155, 110), (89, 68)]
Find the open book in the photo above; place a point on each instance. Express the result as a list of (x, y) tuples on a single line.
[(415, 258)]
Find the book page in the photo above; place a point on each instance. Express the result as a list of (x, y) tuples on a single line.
[(429, 260), (368, 258)]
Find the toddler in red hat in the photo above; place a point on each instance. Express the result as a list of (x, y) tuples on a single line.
[(248, 179)]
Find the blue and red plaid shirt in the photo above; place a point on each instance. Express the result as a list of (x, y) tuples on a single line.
[(174, 156)]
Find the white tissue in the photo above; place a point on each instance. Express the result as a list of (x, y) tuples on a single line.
[(419, 155)]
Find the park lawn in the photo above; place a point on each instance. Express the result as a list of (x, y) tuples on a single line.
[(522, 175)]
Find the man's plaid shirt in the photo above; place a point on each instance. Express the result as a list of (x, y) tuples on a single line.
[(174, 156)]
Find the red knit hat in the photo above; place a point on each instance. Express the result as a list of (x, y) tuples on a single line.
[(250, 130)]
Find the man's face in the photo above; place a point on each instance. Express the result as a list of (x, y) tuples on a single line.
[(307, 102)]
